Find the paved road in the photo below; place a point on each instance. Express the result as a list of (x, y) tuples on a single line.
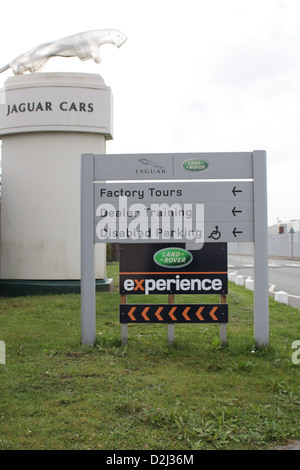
[(284, 275)]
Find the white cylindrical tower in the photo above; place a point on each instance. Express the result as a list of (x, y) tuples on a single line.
[(47, 120)]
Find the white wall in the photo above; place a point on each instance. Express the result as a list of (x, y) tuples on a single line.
[(40, 226), (278, 245)]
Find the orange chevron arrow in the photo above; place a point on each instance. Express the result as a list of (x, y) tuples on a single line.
[(198, 313), (171, 313), (144, 313), (130, 314), (212, 313), (184, 313), (157, 314)]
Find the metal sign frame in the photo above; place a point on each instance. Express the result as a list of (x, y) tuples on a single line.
[(216, 166)]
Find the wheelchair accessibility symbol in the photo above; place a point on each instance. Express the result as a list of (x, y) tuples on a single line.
[(215, 234)]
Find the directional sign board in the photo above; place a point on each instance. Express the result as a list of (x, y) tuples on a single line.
[(181, 313), (195, 198), (198, 212)]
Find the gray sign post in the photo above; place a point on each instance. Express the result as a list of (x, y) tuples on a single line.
[(261, 283), (88, 290), (145, 198)]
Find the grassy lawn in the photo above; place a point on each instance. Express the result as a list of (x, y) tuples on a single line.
[(57, 394)]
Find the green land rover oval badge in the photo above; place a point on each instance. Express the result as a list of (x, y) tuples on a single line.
[(173, 257), (194, 164)]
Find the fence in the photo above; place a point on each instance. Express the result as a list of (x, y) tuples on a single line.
[(286, 245)]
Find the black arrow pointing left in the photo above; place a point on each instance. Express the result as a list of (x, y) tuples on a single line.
[(235, 190), (235, 211), (235, 231)]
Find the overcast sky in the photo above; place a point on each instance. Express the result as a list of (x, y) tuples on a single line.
[(193, 76)]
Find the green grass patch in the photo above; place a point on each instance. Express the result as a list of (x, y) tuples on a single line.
[(58, 394)]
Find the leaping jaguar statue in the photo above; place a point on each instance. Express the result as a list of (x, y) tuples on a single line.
[(83, 45)]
